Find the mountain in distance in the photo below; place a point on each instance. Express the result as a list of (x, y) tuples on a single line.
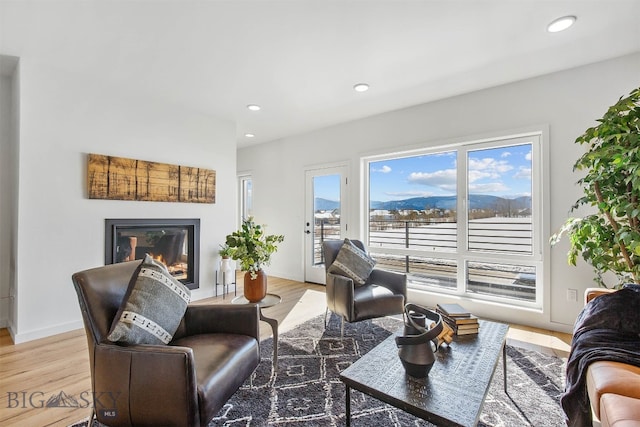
[(476, 201), (321, 204)]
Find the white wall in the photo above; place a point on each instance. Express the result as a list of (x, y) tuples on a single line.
[(566, 102), (62, 118)]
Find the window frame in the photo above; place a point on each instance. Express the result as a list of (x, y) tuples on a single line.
[(540, 197), (245, 197)]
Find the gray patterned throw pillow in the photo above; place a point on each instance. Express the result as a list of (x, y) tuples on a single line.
[(153, 306), (352, 262)]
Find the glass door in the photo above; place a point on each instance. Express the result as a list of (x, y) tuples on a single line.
[(245, 197), (325, 216)]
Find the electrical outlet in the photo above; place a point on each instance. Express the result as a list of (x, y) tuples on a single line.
[(572, 295)]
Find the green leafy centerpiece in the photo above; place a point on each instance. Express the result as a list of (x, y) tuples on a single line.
[(609, 238), (253, 248)]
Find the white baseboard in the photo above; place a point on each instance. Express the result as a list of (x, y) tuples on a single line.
[(35, 334), (285, 275), (198, 294)]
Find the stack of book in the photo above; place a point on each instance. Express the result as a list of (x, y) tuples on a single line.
[(460, 320)]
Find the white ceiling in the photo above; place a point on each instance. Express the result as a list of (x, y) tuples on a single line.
[(299, 59)]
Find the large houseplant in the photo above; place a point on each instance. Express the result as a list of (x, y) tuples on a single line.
[(253, 248), (609, 238)]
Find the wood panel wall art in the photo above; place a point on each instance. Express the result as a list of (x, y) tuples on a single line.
[(119, 178)]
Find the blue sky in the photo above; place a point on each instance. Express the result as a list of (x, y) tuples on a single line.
[(503, 172), (327, 187)]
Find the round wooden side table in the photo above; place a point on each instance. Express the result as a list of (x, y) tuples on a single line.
[(268, 301)]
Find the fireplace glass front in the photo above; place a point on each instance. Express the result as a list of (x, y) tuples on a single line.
[(174, 242)]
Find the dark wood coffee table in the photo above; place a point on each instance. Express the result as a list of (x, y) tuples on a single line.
[(454, 391)]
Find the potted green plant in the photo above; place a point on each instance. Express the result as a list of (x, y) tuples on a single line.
[(609, 238), (253, 248), (226, 268)]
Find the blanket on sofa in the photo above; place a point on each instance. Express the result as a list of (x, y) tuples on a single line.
[(608, 328)]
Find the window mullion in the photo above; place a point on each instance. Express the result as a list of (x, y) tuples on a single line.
[(461, 218)]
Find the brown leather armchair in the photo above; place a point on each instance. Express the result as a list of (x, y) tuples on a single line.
[(383, 294), (184, 383)]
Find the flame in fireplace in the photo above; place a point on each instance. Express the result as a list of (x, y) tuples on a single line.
[(177, 269), (159, 258)]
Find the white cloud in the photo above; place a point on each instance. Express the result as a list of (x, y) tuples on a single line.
[(383, 169), (505, 154), (475, 175), (444, 179), (488, 188), (528, 156), (523, 173), (489, 166)]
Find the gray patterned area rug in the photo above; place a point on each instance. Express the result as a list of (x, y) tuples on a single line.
[(305, 389)]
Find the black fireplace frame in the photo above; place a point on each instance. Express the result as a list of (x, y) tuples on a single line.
[(112, 225)]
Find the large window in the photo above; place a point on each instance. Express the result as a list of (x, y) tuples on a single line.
[(463, 219)]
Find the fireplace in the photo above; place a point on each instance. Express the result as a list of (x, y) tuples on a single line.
[(175, 242)]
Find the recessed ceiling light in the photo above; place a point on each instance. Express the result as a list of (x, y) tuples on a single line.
[(249, 135), (253, 107), (361, 87), (561, 24)]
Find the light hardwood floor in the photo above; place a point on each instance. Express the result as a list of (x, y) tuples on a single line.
[(32, 372)]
